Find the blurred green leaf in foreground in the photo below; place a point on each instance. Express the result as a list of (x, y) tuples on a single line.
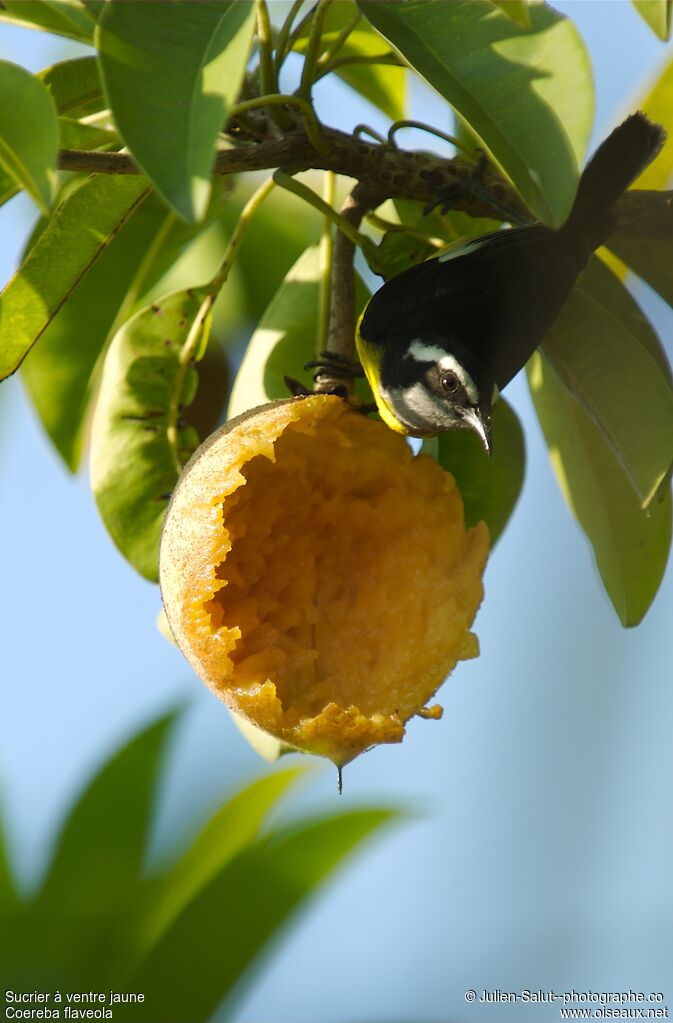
[(185, 936)]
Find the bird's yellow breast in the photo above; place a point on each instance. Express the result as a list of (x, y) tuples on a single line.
[(370, 357)]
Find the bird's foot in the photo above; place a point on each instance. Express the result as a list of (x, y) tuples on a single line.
[(335, 367), (472, 188)]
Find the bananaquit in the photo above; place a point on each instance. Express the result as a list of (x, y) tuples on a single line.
[(439, 341)]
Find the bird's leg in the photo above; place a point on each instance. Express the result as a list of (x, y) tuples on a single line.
[(472, 188), (335, 365)]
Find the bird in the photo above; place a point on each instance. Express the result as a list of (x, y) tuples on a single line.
[(441, 340)]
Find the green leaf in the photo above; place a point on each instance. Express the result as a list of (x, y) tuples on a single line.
[(68, 18), (234, 826), (657, 14), (8, 895), (657, 103), (101, 847), (630, 544), (8, 187), (139, 441), (28, 133), (399, 250), (94, 7), (450, 227), (75, 86), (75, 135), (171, 72), (650, 258), (490, 487), (285, 339), (382, 85), (99, 855), (73, 239), (259, 890), (61, 372), (76, 89), (517, 10), (605, 362), (526, 93), (281, 230)]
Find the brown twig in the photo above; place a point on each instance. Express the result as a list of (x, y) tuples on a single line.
[(392, 173), (341, 334)]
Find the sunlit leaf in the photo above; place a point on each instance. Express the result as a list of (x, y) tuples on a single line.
[(61, 371), (8, 186), (73, 239), (229, 830), (650, 258), (240, 910), (171, 72), (526, 93), (630, 544), (28, 133), (657, 103), (657, 14), (68, 18), (611, 371), (140, 440), (490, 487), (517, 10), (75, 86), (281, 230), (75, 135), (383, 85), (285, 339)]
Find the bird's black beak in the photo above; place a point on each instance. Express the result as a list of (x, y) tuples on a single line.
[(479, 421)]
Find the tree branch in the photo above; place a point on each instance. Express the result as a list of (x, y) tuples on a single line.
[(341, 333), (389, 172)]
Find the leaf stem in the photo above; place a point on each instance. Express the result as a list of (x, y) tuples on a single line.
[(363, 129), (280, 99), (334, 48), (267, 68), (247, 213), (326, 250), (421, 126), (359, 58), (313, 50), (284, 40), (187, 354), (141, 273), (381, 224)]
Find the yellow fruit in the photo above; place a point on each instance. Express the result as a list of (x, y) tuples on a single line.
[(318, 577)]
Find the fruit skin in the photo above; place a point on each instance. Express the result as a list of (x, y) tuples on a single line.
[(337, 680)]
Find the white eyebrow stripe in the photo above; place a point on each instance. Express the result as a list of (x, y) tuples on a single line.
[(420, 352)]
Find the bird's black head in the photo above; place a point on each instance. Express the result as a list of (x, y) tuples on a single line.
[(432, 390)]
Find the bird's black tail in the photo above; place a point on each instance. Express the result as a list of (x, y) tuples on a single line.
[(616, 163)]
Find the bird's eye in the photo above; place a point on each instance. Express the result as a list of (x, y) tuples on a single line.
[(450, 382)]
